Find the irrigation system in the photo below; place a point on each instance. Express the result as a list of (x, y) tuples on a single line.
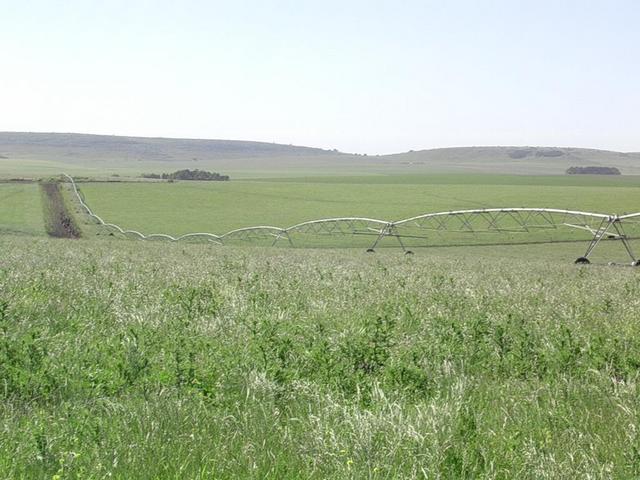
[(487, 226)]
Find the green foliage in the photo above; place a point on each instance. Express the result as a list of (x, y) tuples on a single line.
[(228, 363), (594, 170), (186, 174)]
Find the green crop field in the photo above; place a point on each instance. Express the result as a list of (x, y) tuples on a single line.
[(139, 360), (20, 209), (217, 207), (399, 178)]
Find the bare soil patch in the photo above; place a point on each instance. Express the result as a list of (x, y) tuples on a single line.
[(57, 219)]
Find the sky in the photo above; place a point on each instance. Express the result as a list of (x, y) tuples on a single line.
[(361, 76)]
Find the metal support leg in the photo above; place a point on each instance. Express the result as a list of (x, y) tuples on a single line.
[(289, 238), (600, 233), (394, 232), (383, 233), (623, 237)]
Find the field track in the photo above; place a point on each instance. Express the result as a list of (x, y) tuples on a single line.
[(58, 221)]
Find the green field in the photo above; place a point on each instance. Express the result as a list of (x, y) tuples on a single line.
[(217, 207), (139, 360), (399, 178), (128, 359), (20, 209)]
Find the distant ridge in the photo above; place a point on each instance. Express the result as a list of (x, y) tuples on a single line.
[(140, 154), (145, 148), (519, 159)]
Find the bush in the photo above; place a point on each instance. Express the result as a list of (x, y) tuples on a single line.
[(593, 171), (187, 174)]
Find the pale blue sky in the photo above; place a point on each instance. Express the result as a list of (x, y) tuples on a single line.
[(360, 76)]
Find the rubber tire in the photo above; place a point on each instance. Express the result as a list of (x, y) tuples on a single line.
[(370, 250), (582, 261)]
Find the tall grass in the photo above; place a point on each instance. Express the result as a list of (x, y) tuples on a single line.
[(130, 360)]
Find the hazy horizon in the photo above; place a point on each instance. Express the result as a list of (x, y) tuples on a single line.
[(361, 77)]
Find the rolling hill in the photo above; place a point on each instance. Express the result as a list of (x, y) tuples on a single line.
[(50, 153), (519, 160)]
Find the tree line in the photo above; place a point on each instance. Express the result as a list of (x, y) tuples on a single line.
[(187, 174), (593, 171)]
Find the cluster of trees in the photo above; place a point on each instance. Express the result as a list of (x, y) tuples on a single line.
[(535, 151), (593, 171), (187, 174)]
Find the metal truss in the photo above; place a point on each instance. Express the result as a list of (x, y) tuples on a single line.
[(339, 226), (483, 225)]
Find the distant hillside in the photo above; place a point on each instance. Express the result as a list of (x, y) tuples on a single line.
[(141, 148), (50, 153), (521, 160)]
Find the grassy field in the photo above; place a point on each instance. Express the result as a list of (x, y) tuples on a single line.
[(141, 360), (218, 207), (123, 359), (467, 179), (21, 209)]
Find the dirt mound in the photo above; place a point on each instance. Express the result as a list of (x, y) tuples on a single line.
[(57, 219)]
